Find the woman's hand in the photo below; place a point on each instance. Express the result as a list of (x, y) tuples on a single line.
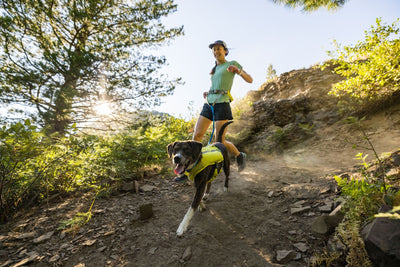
[(233, 68), (205, 94), (242, 73)]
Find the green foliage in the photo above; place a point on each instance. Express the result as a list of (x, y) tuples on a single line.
[(129, 152), (34, 166), (308, 128), (60, 57), (366, 195), (280, 135), (371, 68), (363, 198), (75, 223), (378, 177), (312, 5), (79, 220), (271, 73)]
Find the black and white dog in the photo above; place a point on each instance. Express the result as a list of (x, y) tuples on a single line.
[(201, 165)]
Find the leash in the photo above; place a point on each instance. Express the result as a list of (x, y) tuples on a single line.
[(220, 92), (212, 133)]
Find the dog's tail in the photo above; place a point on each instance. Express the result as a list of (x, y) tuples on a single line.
[(221, 132)]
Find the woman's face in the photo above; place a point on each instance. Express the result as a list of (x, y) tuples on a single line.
[(219, 52)]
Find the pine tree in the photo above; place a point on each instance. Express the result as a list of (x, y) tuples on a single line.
[(312, 5), (54, 55), (271, 73)]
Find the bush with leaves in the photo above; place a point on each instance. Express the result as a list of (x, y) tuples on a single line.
[(34, 165), (371, 68), (130, 151), (18, 146)]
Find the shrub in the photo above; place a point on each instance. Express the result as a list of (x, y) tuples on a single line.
[(33, 166), (372, 68)]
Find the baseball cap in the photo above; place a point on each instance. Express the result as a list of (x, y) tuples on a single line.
[(220, 42)]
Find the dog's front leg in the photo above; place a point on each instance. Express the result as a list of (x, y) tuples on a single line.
[(185, 222), (200, 187), (198, 198)]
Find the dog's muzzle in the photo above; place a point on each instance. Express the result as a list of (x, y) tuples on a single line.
[(177, 159), (180, 167)]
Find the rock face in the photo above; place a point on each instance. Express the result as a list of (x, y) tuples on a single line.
[(382, 241), (286, 111)]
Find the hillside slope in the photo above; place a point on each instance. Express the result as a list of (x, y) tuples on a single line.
[(295, 112), (265, 218)]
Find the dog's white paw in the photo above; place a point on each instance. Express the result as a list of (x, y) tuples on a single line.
[(180, 231), (182, 228), (225, 189)]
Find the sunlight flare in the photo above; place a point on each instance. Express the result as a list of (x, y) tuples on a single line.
[(103, 108)]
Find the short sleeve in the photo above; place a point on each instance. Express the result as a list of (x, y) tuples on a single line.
[(235, 63)]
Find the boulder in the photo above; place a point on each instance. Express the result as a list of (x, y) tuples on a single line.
[(382, 241)]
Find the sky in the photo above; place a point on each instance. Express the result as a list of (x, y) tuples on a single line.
[(258, 33)]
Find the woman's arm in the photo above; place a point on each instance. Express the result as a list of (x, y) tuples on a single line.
[(245, 76), (240, 72)]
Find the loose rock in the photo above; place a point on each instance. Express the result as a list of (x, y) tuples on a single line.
[(54, 258), (43, 238), (284, 256), (146, 211), (301, 246), (187, 254), (301, 210), (147, 188)]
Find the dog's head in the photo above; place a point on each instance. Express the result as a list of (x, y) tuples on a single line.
[(184, 154)]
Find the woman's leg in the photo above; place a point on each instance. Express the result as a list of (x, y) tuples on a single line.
[(201, 127), (231, 147), (240, 156)]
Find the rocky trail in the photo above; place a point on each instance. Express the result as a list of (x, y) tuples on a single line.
[(264, 219)]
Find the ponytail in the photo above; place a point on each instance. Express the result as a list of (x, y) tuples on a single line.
[(213, 69)]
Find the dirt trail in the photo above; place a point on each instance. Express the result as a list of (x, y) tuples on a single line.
[(250, 225), (244, 227)]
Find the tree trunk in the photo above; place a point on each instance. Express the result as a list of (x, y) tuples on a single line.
[(60, 118)]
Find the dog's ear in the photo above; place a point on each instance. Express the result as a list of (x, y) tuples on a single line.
[(196, 148), (170, 149)]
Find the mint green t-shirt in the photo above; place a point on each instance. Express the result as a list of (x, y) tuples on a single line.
[(222, 79)]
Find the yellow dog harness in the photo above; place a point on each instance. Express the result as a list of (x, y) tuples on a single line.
[(210, 155)]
